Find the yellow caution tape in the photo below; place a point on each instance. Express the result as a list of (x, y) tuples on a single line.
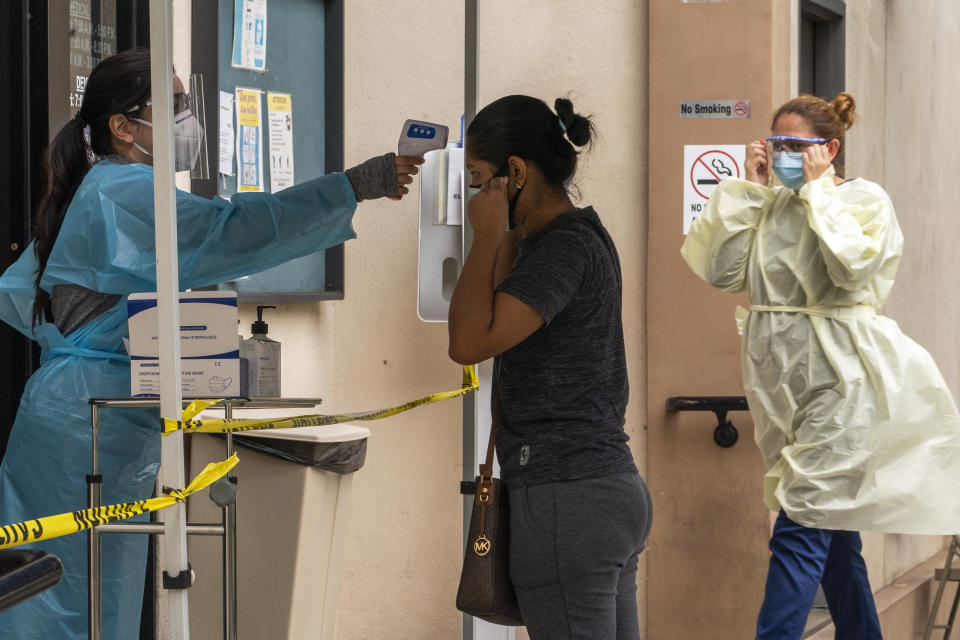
[(39, 529), (13, 535), (188, 425)]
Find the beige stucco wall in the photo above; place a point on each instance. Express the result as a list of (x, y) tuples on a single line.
[(404, 539), (404, 60), (900, 69)]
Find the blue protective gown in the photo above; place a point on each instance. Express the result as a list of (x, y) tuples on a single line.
[(106, 244)]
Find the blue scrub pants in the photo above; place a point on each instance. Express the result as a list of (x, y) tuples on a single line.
[(803, 558)]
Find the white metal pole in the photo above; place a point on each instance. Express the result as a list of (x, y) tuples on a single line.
[(174, 558), (476, 406), (470, 400)]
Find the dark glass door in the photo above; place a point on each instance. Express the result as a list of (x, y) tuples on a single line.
[(23, 136), (47, 50)]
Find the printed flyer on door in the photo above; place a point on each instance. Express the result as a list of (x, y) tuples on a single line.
[(249, 141), (250, 35), (280, 121)]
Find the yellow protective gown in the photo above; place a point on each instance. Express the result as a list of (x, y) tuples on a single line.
[(853, 419)]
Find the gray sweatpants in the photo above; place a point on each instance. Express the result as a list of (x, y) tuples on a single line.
[(573, 556)]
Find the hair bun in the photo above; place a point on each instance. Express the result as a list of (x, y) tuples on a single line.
[(579, 128), (844, 106)]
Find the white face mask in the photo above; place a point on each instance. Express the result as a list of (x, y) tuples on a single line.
[(187, 136)]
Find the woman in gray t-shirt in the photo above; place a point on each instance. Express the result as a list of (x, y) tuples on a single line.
[(544, 299)]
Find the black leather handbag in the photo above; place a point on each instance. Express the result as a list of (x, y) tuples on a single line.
[(486, 591)]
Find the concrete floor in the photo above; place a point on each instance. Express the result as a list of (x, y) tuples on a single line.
[(819, 618)]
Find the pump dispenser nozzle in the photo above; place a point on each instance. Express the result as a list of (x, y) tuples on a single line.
[(260, 327)]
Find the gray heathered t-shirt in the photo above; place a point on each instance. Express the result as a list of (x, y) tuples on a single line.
[(562, 392), (74, 306)]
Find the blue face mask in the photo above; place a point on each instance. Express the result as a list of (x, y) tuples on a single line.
[(788, 166)]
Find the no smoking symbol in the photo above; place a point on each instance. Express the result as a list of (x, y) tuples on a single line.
[(709, 169), (741, 109)]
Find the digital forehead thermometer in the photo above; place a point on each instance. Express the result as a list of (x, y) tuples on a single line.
[(418, 137)]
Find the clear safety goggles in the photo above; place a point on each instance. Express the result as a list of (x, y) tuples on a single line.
[(793, 143), (185, 104)]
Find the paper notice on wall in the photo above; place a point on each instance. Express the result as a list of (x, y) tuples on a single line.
[(705, 166), (249, 141), (226, 133), (280, 122), (250, 35)]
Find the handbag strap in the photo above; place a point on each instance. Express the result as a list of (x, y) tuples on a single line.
[(486, 469)]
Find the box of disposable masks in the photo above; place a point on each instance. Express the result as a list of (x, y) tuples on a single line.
[(210, 357)]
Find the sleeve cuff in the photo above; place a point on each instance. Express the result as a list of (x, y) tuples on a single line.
[(819, 185), (535, 304)]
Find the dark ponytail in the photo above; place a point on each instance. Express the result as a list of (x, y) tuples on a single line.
[(119, 84), (526, 127)]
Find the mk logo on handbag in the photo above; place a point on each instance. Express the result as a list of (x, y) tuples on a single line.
[(481, 546)]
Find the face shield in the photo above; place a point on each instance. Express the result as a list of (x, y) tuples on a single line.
[(189, 130)]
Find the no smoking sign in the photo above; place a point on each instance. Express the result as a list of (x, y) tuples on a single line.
[(704, 167)]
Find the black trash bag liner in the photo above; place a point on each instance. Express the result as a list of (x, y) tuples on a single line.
[(338, 457)]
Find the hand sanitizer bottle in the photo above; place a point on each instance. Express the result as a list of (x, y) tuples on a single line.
[(263, 357)]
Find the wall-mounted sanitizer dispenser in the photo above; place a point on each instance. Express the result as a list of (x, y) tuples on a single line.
[(442, 211)]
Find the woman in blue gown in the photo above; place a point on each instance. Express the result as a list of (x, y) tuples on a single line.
[(93, 245)]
